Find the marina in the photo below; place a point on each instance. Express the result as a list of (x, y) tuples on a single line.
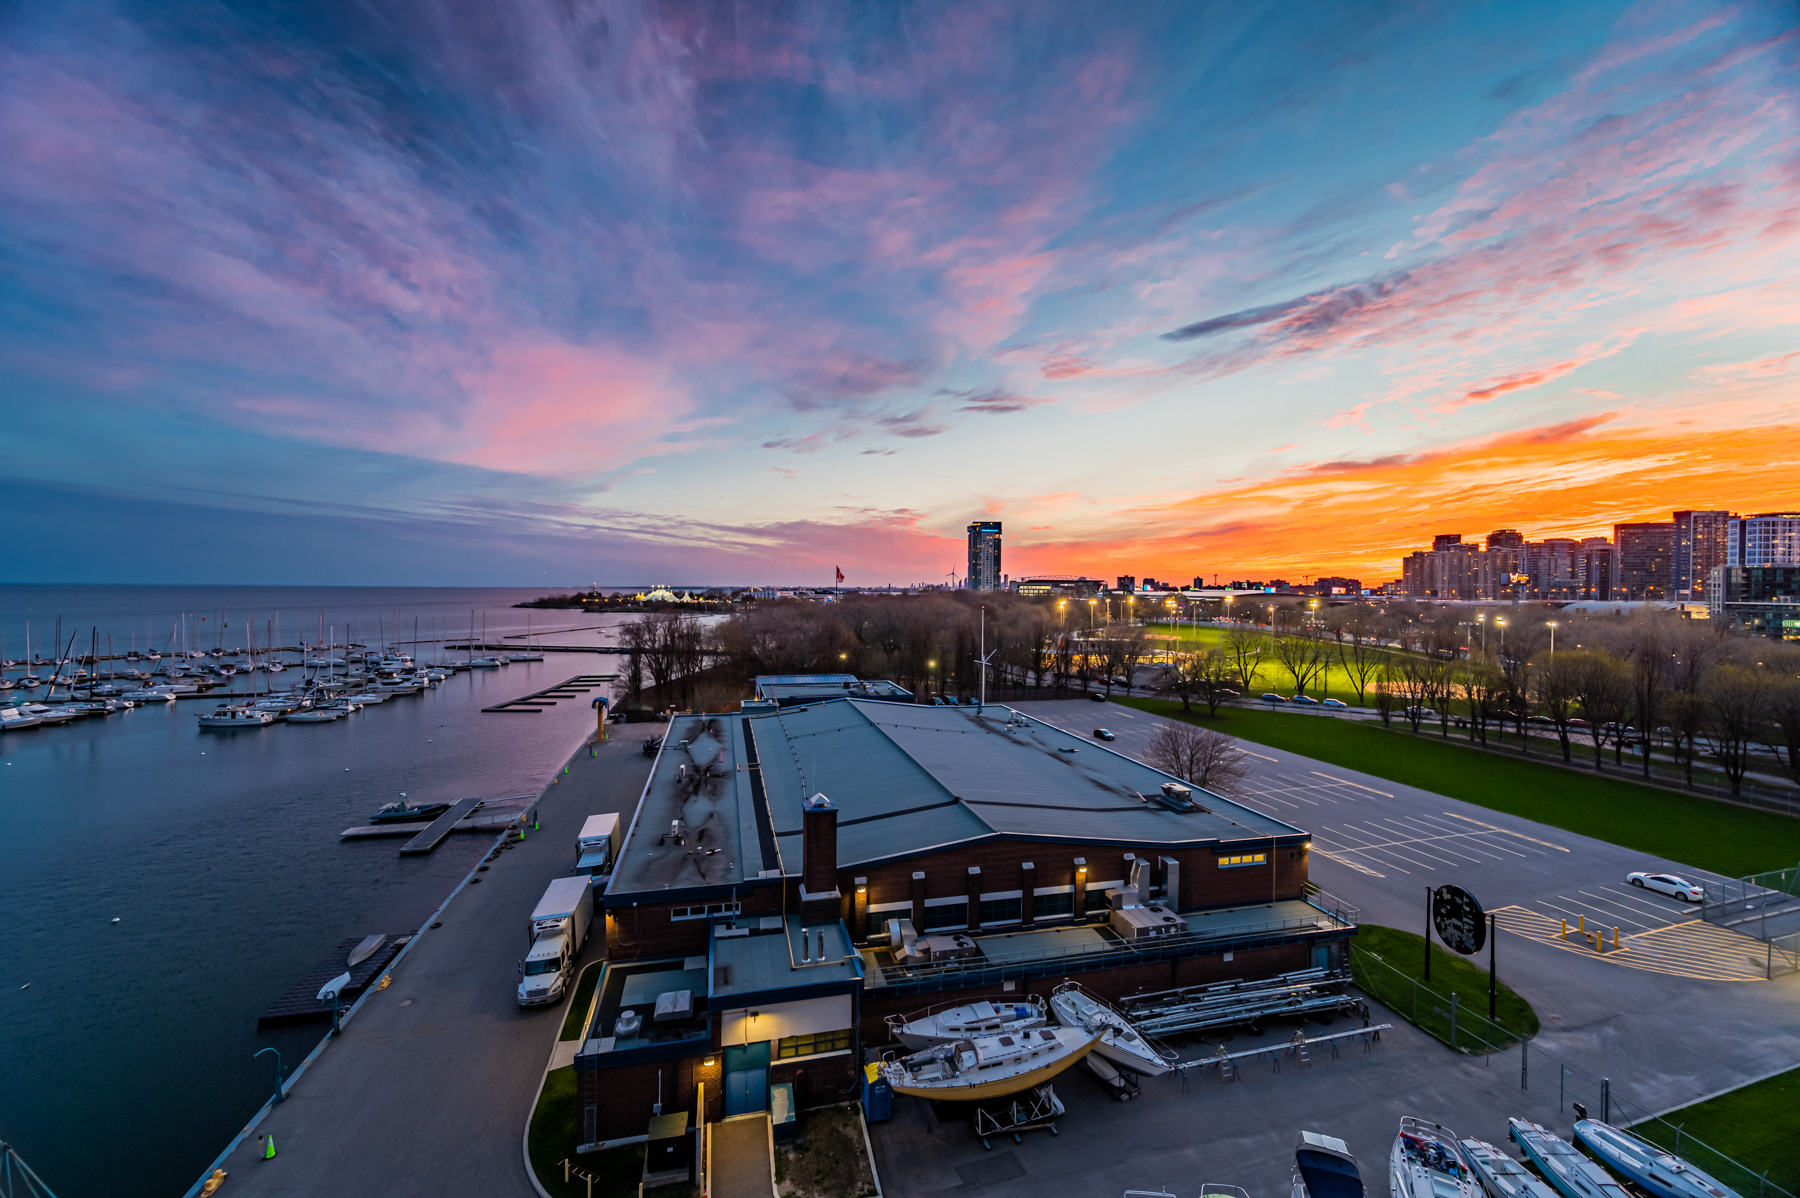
[(361, 960), (577, 687)]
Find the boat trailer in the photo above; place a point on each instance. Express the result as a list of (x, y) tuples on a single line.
[(1296, 1047), (1036, 1109), (1224, 1004)]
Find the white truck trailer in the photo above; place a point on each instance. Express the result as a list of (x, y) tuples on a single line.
[(597, 848), (559, 927)]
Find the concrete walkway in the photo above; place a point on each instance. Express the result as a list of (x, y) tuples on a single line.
[(429, 1087), (740, 1158)]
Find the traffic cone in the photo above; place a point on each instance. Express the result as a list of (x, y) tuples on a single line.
[(268, 1152)]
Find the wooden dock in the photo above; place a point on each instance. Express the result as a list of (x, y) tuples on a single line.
[(301, 1003), (576, 687), (490, 814), (434, 832)]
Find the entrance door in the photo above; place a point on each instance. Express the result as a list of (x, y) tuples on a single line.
[(747, 1079)]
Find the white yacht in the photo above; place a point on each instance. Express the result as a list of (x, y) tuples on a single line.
[(988, 1066), (982, 1018), (315, 715), (236, 716), (1119, 1043), (13, 719), (1427, 1163), (1500, 1175)]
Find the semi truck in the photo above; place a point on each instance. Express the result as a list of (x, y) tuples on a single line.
[(597, 847), (559, 927)]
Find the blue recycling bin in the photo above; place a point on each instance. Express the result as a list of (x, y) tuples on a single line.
[(878, 1095)]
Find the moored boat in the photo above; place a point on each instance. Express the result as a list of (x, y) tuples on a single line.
[(965, 1022), (1500, 1175), (1427, 1163), (1573, 1174), (1324, 1168), (13, 719), (236, 715), (1119, 1043), (988, 1066), (404, 812), (1648, 1165), (315, 715)]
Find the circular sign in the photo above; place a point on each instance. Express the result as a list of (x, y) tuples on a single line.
[(1459, 919)]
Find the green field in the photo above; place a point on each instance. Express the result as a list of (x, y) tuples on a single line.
[(553, 1138), (1757, 1126), (1717, 836), (1386, 961), (1269, 676)]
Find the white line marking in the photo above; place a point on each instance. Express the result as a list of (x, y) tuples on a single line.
[(1346, 782), (1497, 828)]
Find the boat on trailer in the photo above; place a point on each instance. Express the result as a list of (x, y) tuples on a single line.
[(1648, 1166), (1573, 1174), (1119, 1043), (1426, 1162), (988, 1066), (1500, 1175), (1324, 1168), (969, 1020)]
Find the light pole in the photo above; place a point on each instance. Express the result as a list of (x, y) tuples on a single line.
[(1500, 623), (280, 1073), (1481, 618), (1551, 625)]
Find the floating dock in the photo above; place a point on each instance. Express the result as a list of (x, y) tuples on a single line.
[(433, 833), (487, 815), (575, 688), (301, 1003)]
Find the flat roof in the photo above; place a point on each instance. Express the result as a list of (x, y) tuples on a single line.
[(766, 961), (906, 778), (800, 688)]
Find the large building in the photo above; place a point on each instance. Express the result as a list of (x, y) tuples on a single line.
[(1699, 546), (795, 875), (1759, 600), (1771, 539), (1642, 556), (984, 556)]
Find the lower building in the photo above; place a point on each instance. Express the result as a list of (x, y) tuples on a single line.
[(795, 877), (1757, 600)]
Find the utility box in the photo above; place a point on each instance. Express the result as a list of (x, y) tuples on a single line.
[(877, 1095), (669, 1152), (1149, 922)]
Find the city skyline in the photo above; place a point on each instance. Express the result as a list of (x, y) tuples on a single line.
[(412, 293)]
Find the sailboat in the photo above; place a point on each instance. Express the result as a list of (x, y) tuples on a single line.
[(1573, 1174), (1500, 1175), (981, 1018), (1119, 1043), (1650, 1167), (1324, 1168), (988, 1066), (1427, 1163)]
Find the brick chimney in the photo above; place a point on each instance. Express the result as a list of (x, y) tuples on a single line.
[(820, 901)]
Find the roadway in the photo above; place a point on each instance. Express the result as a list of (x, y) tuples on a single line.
[(429, 1087)]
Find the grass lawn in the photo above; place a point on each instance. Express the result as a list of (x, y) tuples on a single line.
[(617, 1171), (1386, 961), (1730, 840), (1270, 676), (580, 1001), (1757, 1126)]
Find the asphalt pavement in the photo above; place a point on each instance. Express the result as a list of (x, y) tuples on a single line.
[(429, 1087)]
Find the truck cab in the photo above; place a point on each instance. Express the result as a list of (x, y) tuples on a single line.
[(544, 974), (597, 847)]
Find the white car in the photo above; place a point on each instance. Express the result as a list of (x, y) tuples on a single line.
[(1668, 884)]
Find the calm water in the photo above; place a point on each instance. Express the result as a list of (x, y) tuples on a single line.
[(127, 1062)]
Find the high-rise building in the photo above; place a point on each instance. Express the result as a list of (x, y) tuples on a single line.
[(1699, 546), (984, 556), (1127, 582), (1446, 540), (1770, 539), (1506, 538), (1642, 556)]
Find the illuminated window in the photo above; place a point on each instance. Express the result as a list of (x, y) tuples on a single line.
[(1238, 860), (812, 1045)]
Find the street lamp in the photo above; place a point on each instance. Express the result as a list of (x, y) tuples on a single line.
[(1551, 624), (279, 1073), (1481, 618)]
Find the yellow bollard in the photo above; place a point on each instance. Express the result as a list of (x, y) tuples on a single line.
[(1565, 931), (1583, 920), (1615, 938), (213, 1183)]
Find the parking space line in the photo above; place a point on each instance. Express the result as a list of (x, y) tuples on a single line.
[(1473, 842), (1508, 831), (1265, 757), (1346, 782), (1358, 866), (1612, 919), (1482, 838), (1631, 896), (1356, 848), (1414, 841)]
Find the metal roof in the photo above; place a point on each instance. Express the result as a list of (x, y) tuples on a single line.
[(906, 778), (749, 966), (800, 688)]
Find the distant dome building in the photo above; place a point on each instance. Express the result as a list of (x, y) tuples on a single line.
[(661, 595)]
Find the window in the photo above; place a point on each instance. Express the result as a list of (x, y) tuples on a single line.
[(1004, 910), (704, 911), (947, 915), (812, 1045), (1238, 860), (1045, 906)]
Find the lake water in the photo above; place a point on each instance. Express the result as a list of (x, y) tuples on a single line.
[(126, 1050)]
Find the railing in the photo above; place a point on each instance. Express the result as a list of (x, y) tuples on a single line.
[(1737, 901), (1500, 1048), (968, 971), (1325, 900)]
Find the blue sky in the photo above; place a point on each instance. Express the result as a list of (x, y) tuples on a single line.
[(497, 292)]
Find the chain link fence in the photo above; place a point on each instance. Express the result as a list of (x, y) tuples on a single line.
[(1545, 1078)]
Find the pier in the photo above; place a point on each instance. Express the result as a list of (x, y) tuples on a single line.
[(489, 815), (433, 833), (575, 687), (301, 1003)]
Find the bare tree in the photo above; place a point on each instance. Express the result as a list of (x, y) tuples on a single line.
[(1413, 682), (1131, 654), (1386, 695), (1358, 647), (1783, 731), (1558, 687), (1736, 706), (1206, 758), (1245, 645), (1603, 689)]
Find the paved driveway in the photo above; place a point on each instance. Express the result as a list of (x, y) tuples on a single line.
[(429, 1087)]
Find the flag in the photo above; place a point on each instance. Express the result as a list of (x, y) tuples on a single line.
[(840, 574)]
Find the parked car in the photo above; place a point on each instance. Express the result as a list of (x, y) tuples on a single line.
[(1103, 734), (1542, 721), (1681, 888), (1304, 700), (1419, 713), (1096, 696), (1334, 703), (1580, 723), (1272, 697)]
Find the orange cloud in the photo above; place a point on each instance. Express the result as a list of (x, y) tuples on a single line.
[(1361, 517)]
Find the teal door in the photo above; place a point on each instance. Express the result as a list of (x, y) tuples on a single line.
[(747, 1079)]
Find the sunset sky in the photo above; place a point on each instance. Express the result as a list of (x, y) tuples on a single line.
[(554, 293)]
